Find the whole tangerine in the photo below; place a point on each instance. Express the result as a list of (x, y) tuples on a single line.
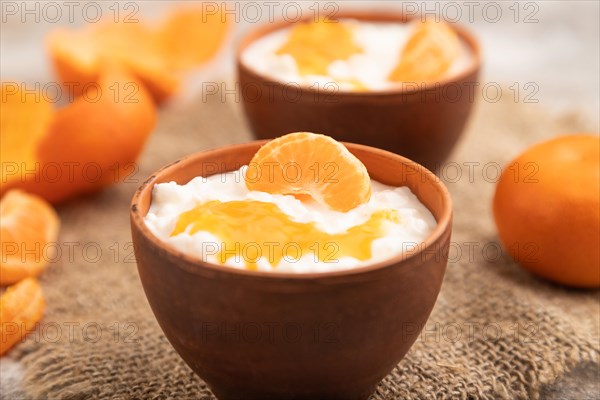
[(547, 210), (80, 148)]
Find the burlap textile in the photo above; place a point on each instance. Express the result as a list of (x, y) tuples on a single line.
[(496, 331)]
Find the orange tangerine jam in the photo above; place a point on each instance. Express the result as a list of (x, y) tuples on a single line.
[(315, 45), (251, 229)]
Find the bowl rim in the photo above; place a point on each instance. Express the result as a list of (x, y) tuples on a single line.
[(196, 266), (376, 16)]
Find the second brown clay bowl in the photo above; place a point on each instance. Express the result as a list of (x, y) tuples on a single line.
[(420, 121), (261, 335)]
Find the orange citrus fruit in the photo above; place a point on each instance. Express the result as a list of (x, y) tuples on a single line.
[(24, 121), (87, 144), (428, 54), (27, 225), (547, 210), (308, 163), (315, 45), (79, 57), (190, 36), (21, 307), (154, 56)]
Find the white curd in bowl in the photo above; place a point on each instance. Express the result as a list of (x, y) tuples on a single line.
[(381, 43), (169, 200)]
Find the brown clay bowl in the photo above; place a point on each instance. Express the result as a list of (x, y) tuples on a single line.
[(260, 335), (422, 122)]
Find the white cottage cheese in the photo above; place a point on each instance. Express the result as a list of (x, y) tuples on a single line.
[(169, 200), (381, 42)]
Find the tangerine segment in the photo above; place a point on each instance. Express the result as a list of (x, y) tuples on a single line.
[(315, 45), (21, 307), (91, 142), (80, 57), (191, 36), (308, 163), (547, 210), (27, 225), (428, 54), (24, 121)]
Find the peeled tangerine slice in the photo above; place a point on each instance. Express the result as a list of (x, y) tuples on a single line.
[(428, 54), (308, 163), (315, 45), (21, 307), (27, 225)]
